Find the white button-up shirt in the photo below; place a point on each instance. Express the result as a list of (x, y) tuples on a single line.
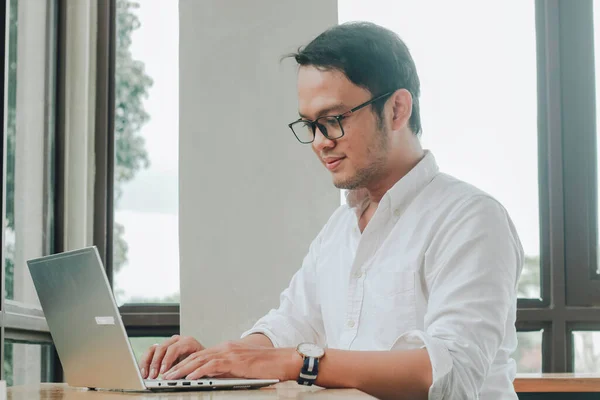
[(437, 267)]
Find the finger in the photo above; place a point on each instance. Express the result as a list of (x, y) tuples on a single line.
[(206, 353), (175, 353), (220, 351), (216, 367), (159, 353), (186, 367), (145, 361), (190, 358)]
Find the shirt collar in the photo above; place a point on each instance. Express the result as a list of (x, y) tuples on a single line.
[(403, 191), (407, 188)]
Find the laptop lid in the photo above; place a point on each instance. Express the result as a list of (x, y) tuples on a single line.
[(84, 320)]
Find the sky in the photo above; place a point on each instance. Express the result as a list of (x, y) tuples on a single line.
[(477, 65)]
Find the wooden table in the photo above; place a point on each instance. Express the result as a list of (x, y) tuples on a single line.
[(526, 383), (558, 386), (544, 386), (286, 390)]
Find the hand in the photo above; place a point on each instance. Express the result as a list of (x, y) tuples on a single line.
[(239, 360), (159, 358)]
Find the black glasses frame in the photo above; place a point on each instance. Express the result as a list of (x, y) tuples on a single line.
[(315, 124)]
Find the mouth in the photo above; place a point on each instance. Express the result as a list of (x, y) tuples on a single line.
[(333, 163)]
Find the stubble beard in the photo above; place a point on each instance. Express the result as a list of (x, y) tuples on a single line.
[(364, 176)]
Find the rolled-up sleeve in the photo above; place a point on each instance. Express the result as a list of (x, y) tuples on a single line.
[(298, 318), (471, 271)]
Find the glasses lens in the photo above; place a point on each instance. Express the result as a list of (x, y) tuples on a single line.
[(303, 131), (330, 127)]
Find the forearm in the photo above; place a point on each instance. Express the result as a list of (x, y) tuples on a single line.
[(257, 339), (383, 374)]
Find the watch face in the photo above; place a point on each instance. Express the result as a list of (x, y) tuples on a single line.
[(311, 350)]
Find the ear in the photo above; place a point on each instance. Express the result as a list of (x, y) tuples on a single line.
[(402, 109)]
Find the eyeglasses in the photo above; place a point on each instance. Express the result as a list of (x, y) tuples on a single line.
[(330, 126)]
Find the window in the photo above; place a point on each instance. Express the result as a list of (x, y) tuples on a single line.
[(145, 238), (48, 148), (587, 351), (529, 353), (26, 363), (136, 195), (29, 216)]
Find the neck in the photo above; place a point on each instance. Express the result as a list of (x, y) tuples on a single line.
[(393, 175)]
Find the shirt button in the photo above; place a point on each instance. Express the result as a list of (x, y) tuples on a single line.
[(358, 274), (351, 324), (397, 213)]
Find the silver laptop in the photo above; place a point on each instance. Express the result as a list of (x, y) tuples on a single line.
[(87, 330)]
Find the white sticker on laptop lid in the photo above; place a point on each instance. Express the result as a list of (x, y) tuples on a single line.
[(105, 320)]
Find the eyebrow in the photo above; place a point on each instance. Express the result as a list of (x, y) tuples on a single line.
[(327, 111)]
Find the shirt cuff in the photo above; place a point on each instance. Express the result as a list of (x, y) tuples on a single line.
[(439, 356)]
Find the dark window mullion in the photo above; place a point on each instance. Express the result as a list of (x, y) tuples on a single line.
[(104, 134), (151, 319), (547, 348), (549, 152), (59, 177), (578, 99), (552, 218)]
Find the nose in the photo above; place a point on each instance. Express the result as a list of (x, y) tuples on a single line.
[(321, 142)]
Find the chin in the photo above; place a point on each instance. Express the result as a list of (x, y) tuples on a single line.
[(347, 183)]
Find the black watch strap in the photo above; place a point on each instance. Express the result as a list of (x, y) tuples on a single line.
[(310, 369)]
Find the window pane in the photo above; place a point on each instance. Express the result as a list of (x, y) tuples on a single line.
[(586, 351), (146, 244), (478, 102), (11, 123), (529, 352), (29, 153), (27, 363), (141, 344)]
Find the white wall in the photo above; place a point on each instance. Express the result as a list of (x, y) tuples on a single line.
[(251, 197)]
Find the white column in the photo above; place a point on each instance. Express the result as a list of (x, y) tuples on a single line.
[(79, 109), (251, 197)]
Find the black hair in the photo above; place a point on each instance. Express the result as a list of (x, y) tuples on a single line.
[(371, 56)]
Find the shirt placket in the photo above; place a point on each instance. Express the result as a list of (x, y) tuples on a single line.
[(367, 247)]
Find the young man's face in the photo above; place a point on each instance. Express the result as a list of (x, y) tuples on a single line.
[(359, 157)]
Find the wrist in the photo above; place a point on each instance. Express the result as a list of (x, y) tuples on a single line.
[(311, 355), (293, 365)]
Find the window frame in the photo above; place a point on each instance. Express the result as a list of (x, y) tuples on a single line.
[(567, 146)]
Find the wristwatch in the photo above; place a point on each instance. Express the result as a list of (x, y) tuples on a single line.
[(311, 354)]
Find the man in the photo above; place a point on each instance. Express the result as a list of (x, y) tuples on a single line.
[(409, 291)]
